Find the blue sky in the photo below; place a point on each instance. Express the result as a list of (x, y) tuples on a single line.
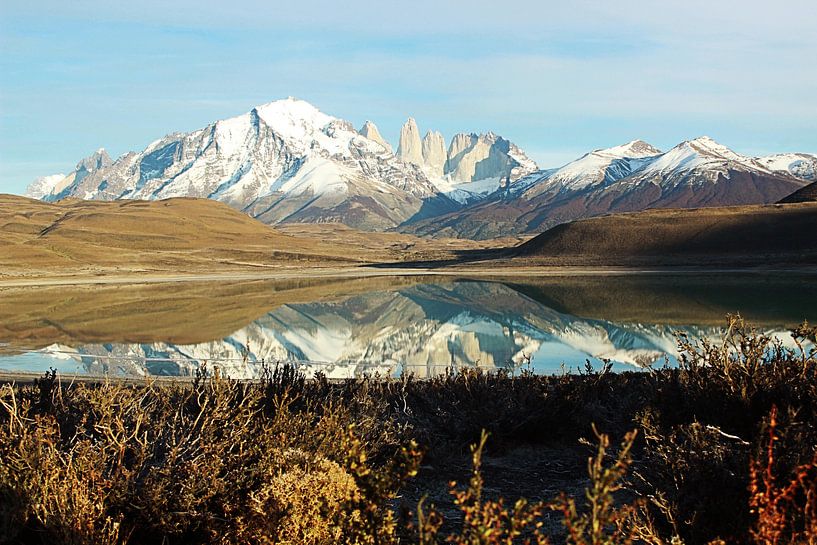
[(556, 79)]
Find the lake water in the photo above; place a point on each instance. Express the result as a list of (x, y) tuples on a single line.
[(422, 325)]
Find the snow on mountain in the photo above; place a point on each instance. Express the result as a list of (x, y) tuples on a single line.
[(468, 191), (258, 160), (627, 178), (704, 157), (801, 165), (601, 166), (43, 186)]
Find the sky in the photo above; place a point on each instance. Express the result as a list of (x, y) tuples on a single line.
[(557, 78)]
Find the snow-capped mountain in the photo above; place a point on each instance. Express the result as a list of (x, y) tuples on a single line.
[(600, 167), (282, 161), (49, 186), (802, 165), (627, 178), (43, 186), (288, 161)]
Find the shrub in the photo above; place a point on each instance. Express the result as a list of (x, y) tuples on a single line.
[(286, 460)]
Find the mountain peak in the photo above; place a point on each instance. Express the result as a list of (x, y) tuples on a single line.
[(370, 131), (704, 140), (409, 149), (434, 155), (95, 161), (284, 114), (707, 145), (633, 148)]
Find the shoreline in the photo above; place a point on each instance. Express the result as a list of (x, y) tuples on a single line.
[(379, 271)]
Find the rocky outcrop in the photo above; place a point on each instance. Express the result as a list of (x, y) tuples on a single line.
[(58, 186), (460, 143), (369, 130), (410, 148), (479, 157), (434, 155), (99, 159), (469, 158)]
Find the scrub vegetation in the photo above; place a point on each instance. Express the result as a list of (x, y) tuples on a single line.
[(718, 450)]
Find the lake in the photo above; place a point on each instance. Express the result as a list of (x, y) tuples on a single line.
[(424, 325)]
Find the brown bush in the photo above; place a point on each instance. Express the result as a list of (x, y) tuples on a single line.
[(286, 460)]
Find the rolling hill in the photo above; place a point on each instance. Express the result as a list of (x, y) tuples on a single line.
[(773, 235), (184, 236), (806, 194)]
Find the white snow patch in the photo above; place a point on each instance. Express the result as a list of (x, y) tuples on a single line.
[(231, 134), (43, 186), (466, 191), (318, 175)]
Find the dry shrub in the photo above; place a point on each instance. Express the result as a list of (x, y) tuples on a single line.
[(62, 494), (787, 513), (301, 504), (216, 461), (485, 522), (601, 519), (602, 522), (287, 460)]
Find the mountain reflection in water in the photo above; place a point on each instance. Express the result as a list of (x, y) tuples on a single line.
[(428, 327)]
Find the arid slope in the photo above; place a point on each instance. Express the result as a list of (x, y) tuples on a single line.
[(742, 235), (806, 194), (86, 238)]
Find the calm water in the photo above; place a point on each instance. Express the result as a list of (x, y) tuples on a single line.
[(351, 327)]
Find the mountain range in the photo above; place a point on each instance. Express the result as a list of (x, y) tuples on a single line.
[(288, 162), (628, 178)]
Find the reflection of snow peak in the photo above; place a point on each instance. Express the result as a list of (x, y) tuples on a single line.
[(424, 329)]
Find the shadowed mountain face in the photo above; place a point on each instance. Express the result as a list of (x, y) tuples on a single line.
[(344, 329), (757, 235), (807, 194)]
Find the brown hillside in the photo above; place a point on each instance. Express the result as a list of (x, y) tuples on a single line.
[(806, 194), (183, 235), (742, 235)]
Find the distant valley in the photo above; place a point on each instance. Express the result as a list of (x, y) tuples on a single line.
[(180, 238)]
